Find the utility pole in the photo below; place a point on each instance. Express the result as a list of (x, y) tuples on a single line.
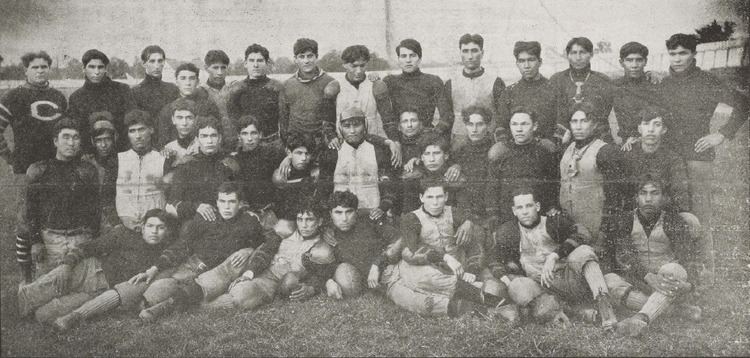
[(389, 47)]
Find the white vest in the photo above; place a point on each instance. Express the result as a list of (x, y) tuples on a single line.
[(289, 256), (138, 186), (471, 91), (357, 171), (654, 250), (364, 98), (437, 232), (535, 245), (582, 195)]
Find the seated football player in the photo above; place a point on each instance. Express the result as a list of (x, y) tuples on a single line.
[(183, 119), (298, 269), (525, 161), (207, 256), (538, 257), (122, 253), (196, 180), (440, 261), (657, 258), (363, 247), (104, 158), (360, 166), (299, 177), (410, 131)]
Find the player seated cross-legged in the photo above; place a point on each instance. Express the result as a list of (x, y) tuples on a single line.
[(656, 255), (540, 257)]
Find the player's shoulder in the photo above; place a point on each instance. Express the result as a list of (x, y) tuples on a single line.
[(36, 170)]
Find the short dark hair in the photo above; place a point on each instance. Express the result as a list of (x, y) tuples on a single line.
[(206, 122), (309, 204), (689, 42), (161, 215), (229, 187), (31, 56), (651, 177), (345, 199), (94, 54), (410, 44), (138, 116), (303, 45), (522, 189), (150, 50), (650, 112), (295, 140), (216, 56), (184, 104), (187, 67), (409, 109), (469, 38), (633, 48), (585, 107), (248, 120), (476, 109), (531, 47), (524, 109), (65, 123), (432, 138), (580, 41), (427, 183), (255, 48), (355, 53)]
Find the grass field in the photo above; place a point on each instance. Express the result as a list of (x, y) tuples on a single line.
[(370, 325)]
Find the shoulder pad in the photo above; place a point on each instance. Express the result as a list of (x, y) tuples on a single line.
[(332, 89), (36, 170), (231, 163)]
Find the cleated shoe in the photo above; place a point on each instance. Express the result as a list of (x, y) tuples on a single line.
[(68, 322)]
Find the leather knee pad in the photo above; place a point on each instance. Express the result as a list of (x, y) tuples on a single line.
[(523, 290), (349, 279), (289, 283)]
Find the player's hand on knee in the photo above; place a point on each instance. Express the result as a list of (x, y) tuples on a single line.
[(333, 289), (239, 258), (660, 284), (548, 271), (373, 278), (463, 234), (454, 265), (302, 293)]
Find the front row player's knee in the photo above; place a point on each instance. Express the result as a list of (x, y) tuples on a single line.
[(523, 290), (349, 279), (495, 288), (673, 270), (581, 256), (289, 283), (161, 290), (545, 308), (322, 253)]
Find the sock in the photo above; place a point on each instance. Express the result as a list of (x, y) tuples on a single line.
[(107, 301), (656, 304), (594, 277), (225, 301)]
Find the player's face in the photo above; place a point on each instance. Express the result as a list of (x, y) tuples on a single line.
[(651, 199), (140, 137), (408, 60), (476, 127), (307, 224), (306, 62), (184, 122), (634, 65), (526, 209), (651, 131), (433, 200), (68, 143), (154, 65), (250, 138), (433, 158), (528, 65), (680, 58), (187, 82), (154, 231), (300, 158), (104, 144), (344, 218), (355, 71), (353, 130), (209, 140), (38, 71), (216, 71), (522, 128), (578, 57), (581, 126), (256, 65), (228, 205), (95, 70), (471, 56), (409, 124)]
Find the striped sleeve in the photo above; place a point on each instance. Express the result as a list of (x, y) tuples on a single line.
[(6, 117)]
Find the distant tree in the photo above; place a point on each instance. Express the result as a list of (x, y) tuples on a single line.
[(378, 63), (237, 68), (13, 72), (73, 69), (714, 32), (283, 65), (117, 68), (603, 47), (137, 70), (332, 62)]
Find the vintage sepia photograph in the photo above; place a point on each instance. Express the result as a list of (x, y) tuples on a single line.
[(374, 178)]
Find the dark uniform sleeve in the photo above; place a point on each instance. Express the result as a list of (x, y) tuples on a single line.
[(444, 106), (567, 233), (685, 245), (473, 248), (27, 229), (179, 250), (233, 102), (739, 103), (283, 113), (414, 252), (614, 168), (261, 257), (385, 108)]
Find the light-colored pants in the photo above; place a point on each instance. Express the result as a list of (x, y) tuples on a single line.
[(422, 289), (619, 287), (164, 288)]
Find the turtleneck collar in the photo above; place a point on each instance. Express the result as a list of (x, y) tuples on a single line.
[(584, 142), (318, 72), (152, 80), (409, 140), (580, 75), (534, 80), (480, 145), (637, 80), (44, 85), (416, 73), (186, 141), (216, 83), (262, 79), (691, 69), (473, 74), (91, 85)]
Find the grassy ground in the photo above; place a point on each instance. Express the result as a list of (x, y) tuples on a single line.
[(370, 325)]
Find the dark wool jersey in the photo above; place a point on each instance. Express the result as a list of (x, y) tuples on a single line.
[(536, 95), (195, 182), (692, 96), (364, 245), (61, 195), (670, 167), (32, 112), (458, 196), (107, 95), (474, 166), (152, 94), (165, 131), (631, 96), (213, 241), (597, 89), (258, 97), (256, 170), (305, 107), (425, 92)]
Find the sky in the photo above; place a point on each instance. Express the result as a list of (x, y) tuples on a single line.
[(187, 29)]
